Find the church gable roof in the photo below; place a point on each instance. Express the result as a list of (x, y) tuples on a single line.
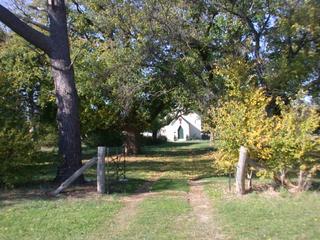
[(179, 116)]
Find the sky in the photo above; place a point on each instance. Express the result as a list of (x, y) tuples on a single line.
[(4, 2), (8, 3)]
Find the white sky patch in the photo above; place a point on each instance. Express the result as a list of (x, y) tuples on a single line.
[(5, 3), (308, 99)]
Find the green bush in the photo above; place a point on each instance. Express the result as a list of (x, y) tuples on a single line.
[(47, 135), (101, 137), (16, 150)]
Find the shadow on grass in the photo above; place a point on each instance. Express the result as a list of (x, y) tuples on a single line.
[(178, 149), (169, 149), (34, 180), (166, 184), (200, 168), (126, 186), (38, 173), (89, 152)]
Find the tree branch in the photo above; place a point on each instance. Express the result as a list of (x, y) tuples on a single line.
[(33, 36), (300, 44), (37, 24)]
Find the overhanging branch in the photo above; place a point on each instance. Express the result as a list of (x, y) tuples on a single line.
[(33, 36)]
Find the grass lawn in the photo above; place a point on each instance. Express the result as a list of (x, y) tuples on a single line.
[(266, 215), (55, 219), (159, 217), (26, 214), (163, 213)]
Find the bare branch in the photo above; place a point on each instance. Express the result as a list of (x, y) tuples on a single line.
[(33, 36)]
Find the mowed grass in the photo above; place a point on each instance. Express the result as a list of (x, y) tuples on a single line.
[(164, 217), (165, 184), (165, 213), (27, 213), (56, 219), (266, 215), (159, 218)]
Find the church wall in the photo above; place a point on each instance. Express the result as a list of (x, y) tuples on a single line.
[(191, 125)]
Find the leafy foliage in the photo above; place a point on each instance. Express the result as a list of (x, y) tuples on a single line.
[(294, 144), (240, 121), (16, 149), (16, 144), (277, 143), (25, 94)]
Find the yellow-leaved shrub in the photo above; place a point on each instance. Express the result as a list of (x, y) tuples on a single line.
[(294, 146), (279, 143)]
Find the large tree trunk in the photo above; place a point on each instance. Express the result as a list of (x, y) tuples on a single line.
[(66, 95), (131, 140), (56, 46)]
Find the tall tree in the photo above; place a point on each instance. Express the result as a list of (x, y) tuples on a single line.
[(56, 46)]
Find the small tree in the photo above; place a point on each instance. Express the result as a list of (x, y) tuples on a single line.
[(294, 145), (277, 144), (240, 121)]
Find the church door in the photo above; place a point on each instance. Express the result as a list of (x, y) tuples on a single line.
[(180, 133)]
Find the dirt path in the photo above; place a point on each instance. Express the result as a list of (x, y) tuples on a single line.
[(202, 218), (121, 222), (206, 227)]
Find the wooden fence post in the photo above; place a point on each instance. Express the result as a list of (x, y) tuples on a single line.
[(74, 176), (108, 167), (101, 170), (241, 170)]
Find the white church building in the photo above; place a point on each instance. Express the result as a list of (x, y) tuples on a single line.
[(183, 128)]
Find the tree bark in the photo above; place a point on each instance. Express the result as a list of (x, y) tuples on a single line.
[(154, 135), (66, 94), (131, 140), (304, 181), (283, 177), (281, 180), (56, 46), (249, 176), (33, 36)]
